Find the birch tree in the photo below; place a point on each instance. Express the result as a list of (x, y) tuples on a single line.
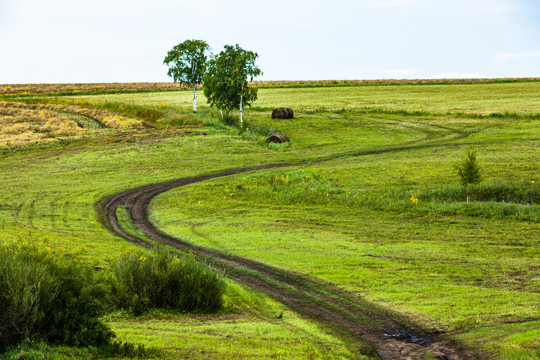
[(226, 81), (187, 62)]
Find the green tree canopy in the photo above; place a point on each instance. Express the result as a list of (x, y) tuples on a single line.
[(187, 63), (226, 79), (468, 169)]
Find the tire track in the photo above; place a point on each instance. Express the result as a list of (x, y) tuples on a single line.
[(312, 298)]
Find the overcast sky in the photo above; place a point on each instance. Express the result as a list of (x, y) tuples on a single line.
[(62, 41)]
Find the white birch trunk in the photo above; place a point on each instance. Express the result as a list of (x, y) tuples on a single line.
[(193, 71), (241, 106), (194, 97), (241, 111)]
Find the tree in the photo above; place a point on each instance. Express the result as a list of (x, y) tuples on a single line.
[(187, 62), (468, 170), (226, 80)]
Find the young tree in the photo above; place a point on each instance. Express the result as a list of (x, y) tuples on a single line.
[(468, 170), (187, 62), (226, 80)]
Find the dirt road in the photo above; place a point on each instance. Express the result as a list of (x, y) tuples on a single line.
[(312, 298)]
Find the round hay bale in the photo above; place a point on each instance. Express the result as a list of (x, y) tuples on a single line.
[(278, 138), (290, 113), (282, 113)]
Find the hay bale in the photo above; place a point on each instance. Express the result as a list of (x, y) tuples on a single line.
[(290, 113), (282, 113), (278, 113), (278, 138)]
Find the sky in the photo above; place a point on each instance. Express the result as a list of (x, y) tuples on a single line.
[(70, 41)]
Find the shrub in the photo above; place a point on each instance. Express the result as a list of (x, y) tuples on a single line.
[(48, 296), (468, 169), (143, 280)]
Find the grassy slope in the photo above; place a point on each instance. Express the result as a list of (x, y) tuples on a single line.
[(49, 194), (363, 249), (392, 254), (252, 331)]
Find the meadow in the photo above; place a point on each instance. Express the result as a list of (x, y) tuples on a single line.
[(374, 207), (49, 197)]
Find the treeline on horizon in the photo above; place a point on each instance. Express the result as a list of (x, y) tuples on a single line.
[(103, 88)]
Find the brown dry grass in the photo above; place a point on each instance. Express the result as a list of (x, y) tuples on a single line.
[(24, 124), (76, 88), (168, 86)]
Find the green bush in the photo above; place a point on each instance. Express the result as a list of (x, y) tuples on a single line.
[(144, 280), (48, 296)]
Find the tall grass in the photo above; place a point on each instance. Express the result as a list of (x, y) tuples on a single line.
[(522, 192), (491, 199)]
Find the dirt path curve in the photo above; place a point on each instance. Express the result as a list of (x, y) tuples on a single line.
[(312, 298)]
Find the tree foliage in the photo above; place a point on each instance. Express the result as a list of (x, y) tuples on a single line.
[(226, 79), (468, 169), (187, 62)]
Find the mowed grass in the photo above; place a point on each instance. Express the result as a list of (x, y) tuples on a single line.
[(522, 98), (434, 263), (359, 118)]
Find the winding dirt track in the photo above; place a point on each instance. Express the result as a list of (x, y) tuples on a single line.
[(312, 298)]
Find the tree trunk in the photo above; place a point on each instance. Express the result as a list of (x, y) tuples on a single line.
[(241, 112), (194, 97), (193, 72), (242, 106)]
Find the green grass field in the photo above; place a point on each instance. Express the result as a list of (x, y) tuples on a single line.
[(471, 270), (49, 196)]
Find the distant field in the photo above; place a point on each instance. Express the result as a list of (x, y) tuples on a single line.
[(168, 86), (85, 88), (470, 270), (478, 99)]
